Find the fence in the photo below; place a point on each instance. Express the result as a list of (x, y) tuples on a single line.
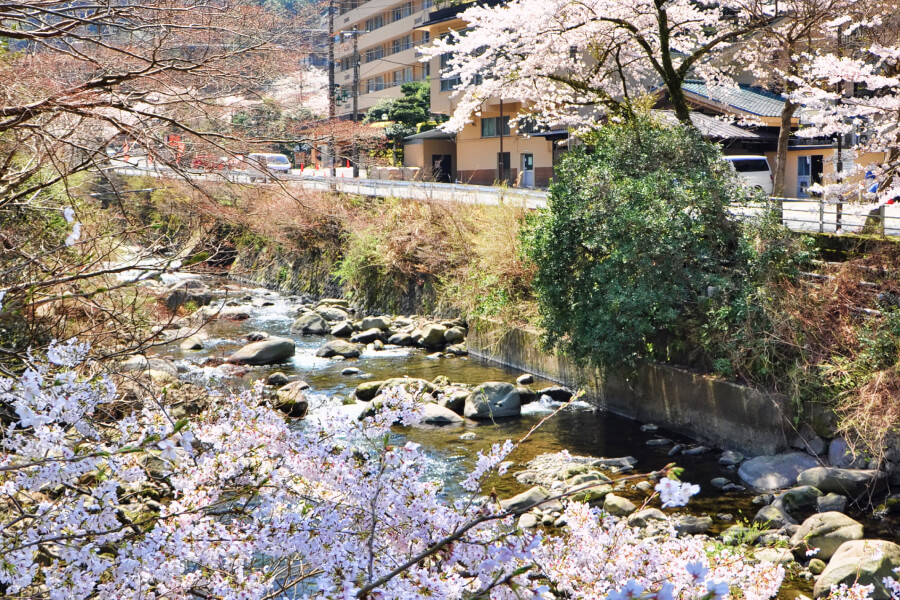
[(823, 216)]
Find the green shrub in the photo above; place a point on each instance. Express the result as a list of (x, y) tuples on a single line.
[(636, 232)]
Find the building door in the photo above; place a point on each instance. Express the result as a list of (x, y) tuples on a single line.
[(809, 171), (528, 170), (442, 167), (503, 174)]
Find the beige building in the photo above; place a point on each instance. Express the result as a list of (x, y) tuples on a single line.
[(490, 149), (387, 45)]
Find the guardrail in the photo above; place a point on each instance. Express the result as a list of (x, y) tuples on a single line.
[(824, 216)]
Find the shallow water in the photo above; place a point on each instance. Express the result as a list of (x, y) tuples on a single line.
[(578, 428)]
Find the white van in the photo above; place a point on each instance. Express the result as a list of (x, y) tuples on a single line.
[(269, 163), (754, 170)]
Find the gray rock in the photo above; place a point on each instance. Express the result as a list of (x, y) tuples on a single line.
[(528, 521), (454, 399), (368, 390), (342, 329), (339, 302), (807, 440), (493, 400), (378, 345), (832, 502), (350, 371), (368, 336), (401, 339), (816, 566), (256, 336), (719, 482), (778, 556), (408, 383), (643, 518), (432, 335), (310, 324), (804, 497), (194, 342), (291, 400), (867, 562), (840, 455), (382, 323), (690, 525), (526, 395), (659, 442), (278, 378), (267, 352), (457, 350), (454, 335), (188, 291), (332, 313), (556, 393), (767, 473), (851, 482), (594, 493), (527, 499), (649, 428), (696, 451), (773, 516), (730, 458), (525, 379), (825, 531), (733, 487), (339, 348), (618, 506), (433, 414), (585, 478)]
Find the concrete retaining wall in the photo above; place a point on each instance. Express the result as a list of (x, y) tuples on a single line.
[(709, 410)]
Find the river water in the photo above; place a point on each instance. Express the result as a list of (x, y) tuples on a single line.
[(579, 428)]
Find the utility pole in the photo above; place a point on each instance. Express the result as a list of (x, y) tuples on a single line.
[(839, 167), (355, 98), (500, 163), (331, 90)]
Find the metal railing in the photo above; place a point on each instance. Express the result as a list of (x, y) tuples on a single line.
[(816, 215)]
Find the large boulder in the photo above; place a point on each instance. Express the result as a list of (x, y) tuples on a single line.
[(770, 473), (339, 348), (367, 390), (311, 324), (407, 383), (291, 400), (851, 482), (342, 329), (842, 456), (825, 531), (867, 562), (493, 400), (368, 336), (773, 516), (433, 414), (382, 323), (618, 506), (432, 335), (188, 292), (267, 352), (401, 339), (454, 335), (804, 497), (332, 313), (526, 499)]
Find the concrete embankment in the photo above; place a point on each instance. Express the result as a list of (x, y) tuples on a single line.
[(725, 414)]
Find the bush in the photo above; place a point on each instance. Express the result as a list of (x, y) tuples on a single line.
[(636, 233)]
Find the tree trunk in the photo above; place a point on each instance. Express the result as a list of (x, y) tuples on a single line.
[(781, 154)]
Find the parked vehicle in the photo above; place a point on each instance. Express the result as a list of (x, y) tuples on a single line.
[(754, 169), (269, 163), (205, 162)]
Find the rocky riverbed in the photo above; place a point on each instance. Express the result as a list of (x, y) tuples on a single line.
[(322, 355)]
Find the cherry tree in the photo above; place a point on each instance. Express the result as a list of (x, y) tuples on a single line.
[(779, 53), (858, 91), (573, 62), (234, 503)]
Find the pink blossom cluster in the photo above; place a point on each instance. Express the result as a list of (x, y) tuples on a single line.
[(250, 508)]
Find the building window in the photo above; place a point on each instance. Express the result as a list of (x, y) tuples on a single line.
[(526, 125), (426, 4), (425, 37), (489, 127), (375, 23), (402, 11), (375, 84), (447, 83), (374, 53)]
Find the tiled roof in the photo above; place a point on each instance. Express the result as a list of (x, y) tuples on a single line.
[(716, 129), (746, 98)]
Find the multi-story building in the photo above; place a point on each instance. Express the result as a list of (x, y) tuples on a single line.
[(387, 42)]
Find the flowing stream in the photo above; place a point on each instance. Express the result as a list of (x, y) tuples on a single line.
[(579, 428)]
